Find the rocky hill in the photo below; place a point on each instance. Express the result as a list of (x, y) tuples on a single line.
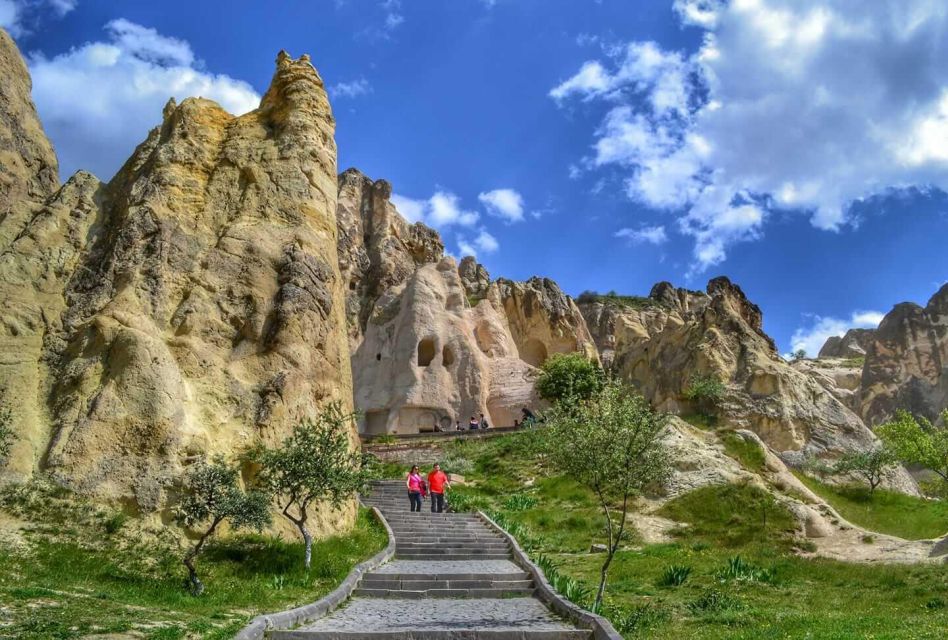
[(661, 343), (193, 305), (852, 345), (433, 342)]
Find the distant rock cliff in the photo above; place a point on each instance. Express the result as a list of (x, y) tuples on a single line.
[(907, 362), (660, 342), (434, 342), (192, 305), (851, 345)]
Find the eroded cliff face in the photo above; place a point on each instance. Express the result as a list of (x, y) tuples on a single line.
[(434, 342), (661, 343), (192, 306), (907, 362), (851, 345)]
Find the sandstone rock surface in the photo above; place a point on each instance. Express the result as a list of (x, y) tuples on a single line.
[(907, 362), (192, 306), (659, 344), (851, 345)]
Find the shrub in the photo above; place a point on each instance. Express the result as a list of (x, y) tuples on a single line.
[(918, 441), (873, 466), (705, 391), (739, 570), (640, 618), (713, 601), (569, 377), (674, 576), (519, 502)]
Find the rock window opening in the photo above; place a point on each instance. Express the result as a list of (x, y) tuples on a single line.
[(447, 356), (426, 352), (378, 356)]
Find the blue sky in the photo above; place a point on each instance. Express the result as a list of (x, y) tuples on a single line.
[(799, 148)]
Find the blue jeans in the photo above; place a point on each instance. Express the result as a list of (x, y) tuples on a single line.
[(415, 498)]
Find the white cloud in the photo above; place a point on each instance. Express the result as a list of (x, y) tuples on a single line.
[(503, 203), (812, 337), (484, 242), (352, 89), (441, 210), (99, 100), (20, 16), (651, 235), (786, 105)]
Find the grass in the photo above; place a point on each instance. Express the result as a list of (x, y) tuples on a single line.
[(731, 573), (614, 299), (747, 452), (71, 577), (886, 511)]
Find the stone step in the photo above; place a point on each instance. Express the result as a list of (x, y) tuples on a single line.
[(443, 593), (422, 585), (425, 555), (441, 551), (429, 546), (511, 576)]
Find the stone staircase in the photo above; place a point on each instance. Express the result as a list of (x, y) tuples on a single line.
[(452, 577)]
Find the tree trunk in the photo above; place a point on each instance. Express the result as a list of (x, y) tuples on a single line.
[(197, 587), (603, 574), (308, 540)]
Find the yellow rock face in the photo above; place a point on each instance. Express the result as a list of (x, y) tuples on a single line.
[(191, 306)]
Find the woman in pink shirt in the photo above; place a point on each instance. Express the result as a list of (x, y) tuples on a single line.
[(413, 482)]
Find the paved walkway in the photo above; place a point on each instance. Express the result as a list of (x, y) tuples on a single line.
[(452, 577)]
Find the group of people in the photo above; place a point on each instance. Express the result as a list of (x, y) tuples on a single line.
[(419, 489), (473, 424)]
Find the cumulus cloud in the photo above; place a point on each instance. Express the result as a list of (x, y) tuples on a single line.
[(352, 89), (99, 100), (484, 242), (20, 16), (784, 106), (811, 337), (651, 235), (503, 203), (441, 210)]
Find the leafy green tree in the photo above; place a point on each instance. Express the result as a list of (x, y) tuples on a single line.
[(799, 354), (918, 441), (873, 466), (611, 444), (315, 464), (569, 376), (706, 392), (212, 496)]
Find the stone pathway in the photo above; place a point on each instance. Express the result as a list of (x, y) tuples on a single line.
[(452, 577)]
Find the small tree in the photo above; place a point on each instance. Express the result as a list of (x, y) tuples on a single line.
[(315, 464), (799, 354), (611, 444), (918, 441), (873, 466), (569, 376), (213, 496), (706, 392)]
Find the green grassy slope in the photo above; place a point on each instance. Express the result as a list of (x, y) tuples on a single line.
[(773, 593), (74, 572)]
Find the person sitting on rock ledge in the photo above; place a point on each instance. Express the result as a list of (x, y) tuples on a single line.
[(483, 422), (473, 425), (528, 418), (457, 425)]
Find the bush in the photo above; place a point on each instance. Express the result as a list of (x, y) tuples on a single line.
[(674, 576), (705, 391), (519, 502), (569, 377), (739, 570), (714, 601)]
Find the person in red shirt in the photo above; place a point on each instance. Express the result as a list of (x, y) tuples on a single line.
[(437, 483)]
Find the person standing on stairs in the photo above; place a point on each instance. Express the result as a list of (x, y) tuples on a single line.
[(413, 482), (437, 483)]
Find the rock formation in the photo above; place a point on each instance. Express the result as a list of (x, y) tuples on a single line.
[(907, 362), (661, 343), (851, 345), (191, 306), (434, 342)]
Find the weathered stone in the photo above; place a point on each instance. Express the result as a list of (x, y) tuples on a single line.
[(907, 362), (660, 345), (852, 345), (192, 306)]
